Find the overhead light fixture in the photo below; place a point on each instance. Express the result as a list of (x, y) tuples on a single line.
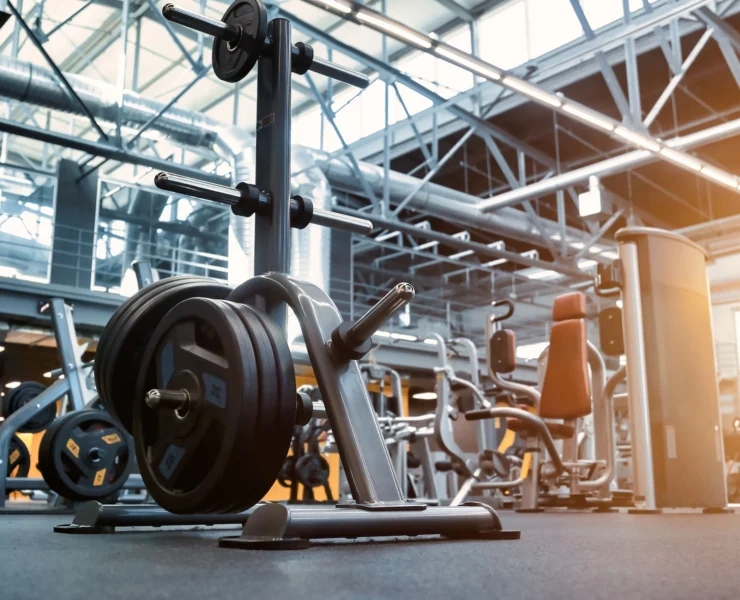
[(467, 63), (637, 139), (542, 274), (381, 334), (338, 6), (12, 384), (390, 27), (47, 375), (2, 348), (720, 176), (588, 116), (404, 337), (425, 396), (682, 158), (531, 91), (430, 341)]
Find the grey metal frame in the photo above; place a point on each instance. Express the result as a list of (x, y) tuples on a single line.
[(72, 387)]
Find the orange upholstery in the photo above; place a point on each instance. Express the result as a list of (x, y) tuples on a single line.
[(569, 306), (558, 431), (566, 390)]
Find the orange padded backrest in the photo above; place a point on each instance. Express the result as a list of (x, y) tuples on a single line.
[(566, 390)]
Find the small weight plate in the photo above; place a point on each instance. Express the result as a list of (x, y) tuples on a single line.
[(312, 470), (19, 459), (85, 455), (200, 346), (233, 62), (18, 397), (126, 336)]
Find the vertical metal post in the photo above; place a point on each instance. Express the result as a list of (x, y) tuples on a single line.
[(385, 204), (637, 390), (69, 350), (272, 232), (237, 93), (560, 197), (16, 35), (137, 54), (122, 66)]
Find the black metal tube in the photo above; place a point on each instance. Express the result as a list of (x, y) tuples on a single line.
[(201, 23), (388, 306), (338, 72)]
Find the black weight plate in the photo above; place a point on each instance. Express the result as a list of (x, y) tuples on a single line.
[(287, 472), (109, 339), (129, 335), (200, 345), (18, 397), (85, 455), (233, 62), (19, 459), (111, 329), (265, 451), (285, 400), (312, 470)]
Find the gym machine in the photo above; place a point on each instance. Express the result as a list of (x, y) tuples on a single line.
[(38, 410), (588, 481), (490, 469), (198, 391), (675, 425)]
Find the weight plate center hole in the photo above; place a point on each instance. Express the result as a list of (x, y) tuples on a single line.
[(234, 46)]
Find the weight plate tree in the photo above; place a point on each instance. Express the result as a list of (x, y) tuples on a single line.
[(214, 408), (85, 455), (19, 459), (126, 335), (18, 397)]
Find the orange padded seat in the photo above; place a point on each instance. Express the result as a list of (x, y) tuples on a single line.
[(558, 431), (566, 390)]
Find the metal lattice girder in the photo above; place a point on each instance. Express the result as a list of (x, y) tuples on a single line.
[(393, 74), (557, 102), (616, 164)]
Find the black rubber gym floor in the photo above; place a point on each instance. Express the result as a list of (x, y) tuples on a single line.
[(577, 555)]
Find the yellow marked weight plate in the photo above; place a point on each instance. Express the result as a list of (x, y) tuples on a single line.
[(99, 478), (14, 456), (111, 438), (73, 447)]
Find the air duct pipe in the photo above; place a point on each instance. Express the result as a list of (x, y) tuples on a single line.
[(435, 199), (36, 85)]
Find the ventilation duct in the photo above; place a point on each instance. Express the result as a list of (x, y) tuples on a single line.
[(36, 85)]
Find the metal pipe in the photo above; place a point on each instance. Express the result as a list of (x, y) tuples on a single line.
[(608, 403), (373, 319), (637, 388), (603, 419)]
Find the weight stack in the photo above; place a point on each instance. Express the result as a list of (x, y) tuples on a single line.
[(672, 380)]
